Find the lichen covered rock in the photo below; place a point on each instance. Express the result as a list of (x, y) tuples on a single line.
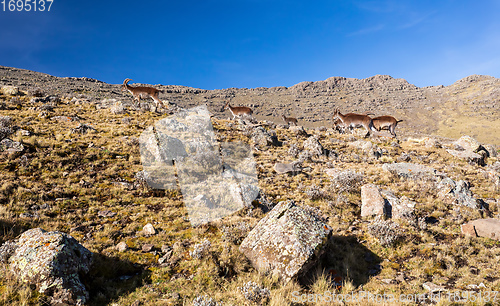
[(53, 262), (287, 242)]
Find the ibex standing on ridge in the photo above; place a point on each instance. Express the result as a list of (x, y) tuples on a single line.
[(289, 120), (239, 110), (351, 121), (143, 92), (386, 123)]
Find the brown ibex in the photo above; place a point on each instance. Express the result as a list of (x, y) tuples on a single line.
[(352, 120), (239, 110), (386, 123), (143, 92)]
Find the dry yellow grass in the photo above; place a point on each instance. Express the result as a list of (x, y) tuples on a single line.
[(57, 161)]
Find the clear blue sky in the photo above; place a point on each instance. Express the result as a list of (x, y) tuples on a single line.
[(214, 44)]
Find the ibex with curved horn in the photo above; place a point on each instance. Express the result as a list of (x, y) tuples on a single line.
[(143, 92)]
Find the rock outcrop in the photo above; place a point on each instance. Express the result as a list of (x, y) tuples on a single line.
[(53, 262), (287, 241)]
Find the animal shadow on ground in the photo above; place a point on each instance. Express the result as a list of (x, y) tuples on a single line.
[(344, 260), (110, 278)]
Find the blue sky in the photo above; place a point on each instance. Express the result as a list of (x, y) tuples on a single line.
[(213, 44)]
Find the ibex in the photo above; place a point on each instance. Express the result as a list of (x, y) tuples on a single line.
[(239, 110), (143, 92), (289, 120), (386, 123), (351, 121), (339, 126)]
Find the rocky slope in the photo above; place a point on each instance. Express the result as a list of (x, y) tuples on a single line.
[(470, 106), (386, 216)]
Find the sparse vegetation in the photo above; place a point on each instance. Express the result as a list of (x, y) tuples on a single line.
[(65, 179)]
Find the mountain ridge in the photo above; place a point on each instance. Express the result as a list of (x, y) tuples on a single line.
[(467, 107)]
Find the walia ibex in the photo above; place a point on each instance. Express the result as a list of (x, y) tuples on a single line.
[(239, 110), (289, 120), (352, 120), (386, 123), (143, 92)]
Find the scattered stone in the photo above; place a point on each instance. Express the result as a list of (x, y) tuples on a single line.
[(200, 249), (9, 146), (372, 202), (53, 262), (10, 90), (287, 241), (433, 288), (118, 108), (459, 193), (293, 168), (64, 118), (386, 232), (83, 129), (410, 171), (148, 247), (148, 230), (255, 293), (205, 300), (489, 228), (262, 138), (298, 130), (7, 250), (106, 213), (402, 208), (313, 145), (469, 149), (345, 181), (122, 246)]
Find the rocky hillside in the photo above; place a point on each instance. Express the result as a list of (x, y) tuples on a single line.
[(470, 106), (82, 222)]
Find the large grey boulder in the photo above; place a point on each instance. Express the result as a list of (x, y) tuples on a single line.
[(53, 262), (287, 241), (458, 193)]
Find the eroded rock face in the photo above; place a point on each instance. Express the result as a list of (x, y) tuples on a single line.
[(53, 262), (287, 242)]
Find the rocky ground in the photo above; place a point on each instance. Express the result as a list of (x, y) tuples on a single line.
[(416, 215)]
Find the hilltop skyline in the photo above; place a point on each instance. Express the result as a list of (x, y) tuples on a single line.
[(253, 43)]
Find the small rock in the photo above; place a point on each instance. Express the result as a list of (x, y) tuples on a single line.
[(122, 246), (10, 146), (433, 288), (148, 247), (298, 130), (149, 230), (410, 171), (106, 213), (313, 145), (10, 90)]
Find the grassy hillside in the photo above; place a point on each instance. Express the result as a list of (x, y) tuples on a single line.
[(86, 184)]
